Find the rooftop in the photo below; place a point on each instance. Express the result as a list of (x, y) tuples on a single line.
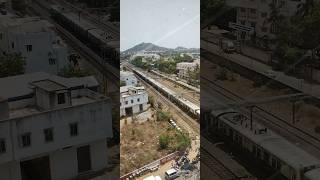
[(22, 87), (275, 144), (48, 85)]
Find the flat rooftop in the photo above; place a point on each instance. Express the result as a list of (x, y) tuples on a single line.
[(48, 85)]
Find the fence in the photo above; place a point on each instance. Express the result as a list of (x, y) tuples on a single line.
[(151, 167)]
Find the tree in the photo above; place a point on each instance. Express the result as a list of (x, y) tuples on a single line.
[(11, 65), (164, 141), (163, 116), (70, 71)]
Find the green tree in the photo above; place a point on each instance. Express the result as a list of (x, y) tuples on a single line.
[(164, 141), (182, 142), (163, 115), (11, 65), (70, 71)]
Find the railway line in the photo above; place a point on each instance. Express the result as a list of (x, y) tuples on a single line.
[(216, 166), (107, 26), (111, 73), (264, 116), (190, 121), (211, 161), (190, 95)]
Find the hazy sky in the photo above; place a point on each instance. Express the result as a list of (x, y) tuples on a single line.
[(168, 23)]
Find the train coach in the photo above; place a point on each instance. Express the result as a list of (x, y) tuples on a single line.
[(101, 42), (262, 146), (190, 108)]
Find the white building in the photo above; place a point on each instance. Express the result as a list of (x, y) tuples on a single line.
[(52, 128), (129, 78), (255, 14), (184, 68), (150, 55), (133, 100), (35, 40)]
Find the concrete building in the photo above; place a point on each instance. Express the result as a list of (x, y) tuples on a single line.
[(133, 100), (52, 128), (35, 40), (255, 14), (146, 55), (129, 78), (184, 68)]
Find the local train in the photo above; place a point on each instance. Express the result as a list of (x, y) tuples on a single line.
[(190, 108), (261, 146), (100, 41)]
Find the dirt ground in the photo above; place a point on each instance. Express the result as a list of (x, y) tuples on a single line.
[(307, 116), (139, 143)]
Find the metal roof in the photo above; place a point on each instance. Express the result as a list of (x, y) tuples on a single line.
[(275, 144)]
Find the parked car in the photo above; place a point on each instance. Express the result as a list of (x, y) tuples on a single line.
[(171, 174)]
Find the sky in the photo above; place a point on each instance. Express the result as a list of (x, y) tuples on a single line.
[(167, 23)]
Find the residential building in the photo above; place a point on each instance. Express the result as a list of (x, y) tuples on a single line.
[(256, 14), (133, 100), (129, 78), (146, 55), (52, 128), (36, 41), (184, 68)]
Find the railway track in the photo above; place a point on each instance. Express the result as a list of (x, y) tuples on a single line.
[(190, 121), (107, 26), (216, 166), (185, 93), (107, 70), (267, 118)]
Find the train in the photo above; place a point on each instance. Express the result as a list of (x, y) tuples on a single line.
[(190, 108), (261, 146), (101, 42)]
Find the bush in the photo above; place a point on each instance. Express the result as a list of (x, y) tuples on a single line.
[(163, 116), (183, 142), (164, 141)]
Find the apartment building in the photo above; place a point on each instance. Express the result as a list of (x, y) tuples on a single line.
[(184, 68), (52, 128), (255, 14), (133, 100), (36, 41), (129, 78)]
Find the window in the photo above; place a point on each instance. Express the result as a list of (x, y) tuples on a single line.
[(243, 22), (29, 48), (2, 146), (61, 98), (48, 134), (26, 140), (1, 36), (264, 14), (73, 129), (131, 101), (52, 61), (242, 9), (126, 102), (12, 45), (138, 99)]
